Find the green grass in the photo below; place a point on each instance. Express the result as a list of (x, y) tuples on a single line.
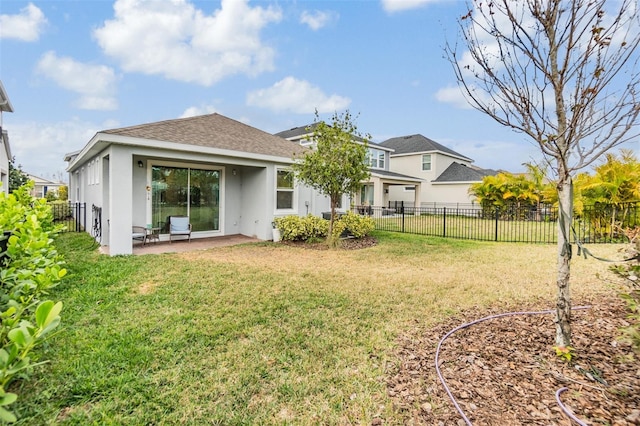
[(263, 333)]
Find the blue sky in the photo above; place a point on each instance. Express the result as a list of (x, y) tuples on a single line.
[(75, 67)]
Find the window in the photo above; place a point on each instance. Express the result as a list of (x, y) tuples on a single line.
[(284, 189), (426, 162), (410, 188), (375, 158), (186, 191)]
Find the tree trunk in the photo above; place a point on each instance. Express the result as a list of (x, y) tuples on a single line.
[(563, 304)]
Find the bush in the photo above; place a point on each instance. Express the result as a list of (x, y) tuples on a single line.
[(296, 228), (29, 269), (630, 273), (354, 224)]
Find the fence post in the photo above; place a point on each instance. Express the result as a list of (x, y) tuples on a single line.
[(444, 222), (497, 221), (402, 213)]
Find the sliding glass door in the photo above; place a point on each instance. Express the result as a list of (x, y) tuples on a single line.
[(185, 191)]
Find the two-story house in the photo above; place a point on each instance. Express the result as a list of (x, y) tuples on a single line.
[(446, 174), (376, 190), (5, 150)]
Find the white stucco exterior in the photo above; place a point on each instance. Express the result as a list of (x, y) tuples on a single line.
[(113, 172), (5, 149), (430, 192)]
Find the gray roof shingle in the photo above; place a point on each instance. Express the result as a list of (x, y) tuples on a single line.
[(213, 131), (296, 132), (418, 143), (457, 172)]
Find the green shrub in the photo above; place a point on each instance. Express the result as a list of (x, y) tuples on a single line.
[(630, 273), (355, 224), (29, 268), (296, 228)]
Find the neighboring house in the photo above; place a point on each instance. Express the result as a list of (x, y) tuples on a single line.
[(228, 177), (43, 186), (375, 191), (447, 174), (5, 149)]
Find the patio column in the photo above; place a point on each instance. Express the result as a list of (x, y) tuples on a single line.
[(120, 200), (416, 198), (378, 192)]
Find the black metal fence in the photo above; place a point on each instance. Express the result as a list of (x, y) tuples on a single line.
[(594, 224), (72, 215)]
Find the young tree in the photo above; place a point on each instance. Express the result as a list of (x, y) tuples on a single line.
[(17, 177), (337, 165), (564, 73)]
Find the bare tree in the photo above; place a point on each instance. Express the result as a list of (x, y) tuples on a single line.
[(564, 73)]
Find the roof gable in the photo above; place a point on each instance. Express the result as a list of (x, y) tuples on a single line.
[(417, 143), (212, 131)]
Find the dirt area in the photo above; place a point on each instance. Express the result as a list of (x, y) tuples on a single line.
[(505, 371)]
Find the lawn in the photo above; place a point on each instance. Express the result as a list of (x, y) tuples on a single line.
[(265, 333)]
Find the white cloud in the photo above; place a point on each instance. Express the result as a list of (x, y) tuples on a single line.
[(40, 147), (454, 96), (94, 83), (318, 19), (400, 5), (26, 26), (297, 96), (178, 41), (198, 110)]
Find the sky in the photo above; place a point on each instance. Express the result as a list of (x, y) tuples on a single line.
[(74, 67)]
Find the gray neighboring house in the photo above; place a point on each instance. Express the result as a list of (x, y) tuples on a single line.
[(228, 177), (447, 174), (375, 191), (5, 149)]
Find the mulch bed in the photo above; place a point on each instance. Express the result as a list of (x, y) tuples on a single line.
[(505, 371), (346, 243)]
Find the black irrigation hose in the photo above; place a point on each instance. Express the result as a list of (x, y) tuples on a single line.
[(469, 324)]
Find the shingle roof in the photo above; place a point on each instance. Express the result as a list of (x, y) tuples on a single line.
[(296, 132), (457, 172), (213, 131), (417, 143)]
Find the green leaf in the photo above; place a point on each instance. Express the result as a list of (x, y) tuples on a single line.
[(8, 398), (48, 313), (7, 416)]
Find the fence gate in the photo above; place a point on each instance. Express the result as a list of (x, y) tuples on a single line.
[(72, 215)]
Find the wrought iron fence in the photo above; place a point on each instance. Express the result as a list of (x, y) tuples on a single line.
[(594, 224), (72, 215)]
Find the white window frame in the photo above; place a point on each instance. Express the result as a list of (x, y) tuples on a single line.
[(376, 158), (429, 163), (293, 190)]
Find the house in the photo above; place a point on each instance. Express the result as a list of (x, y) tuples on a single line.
[(446, 174), (375, 191), (43, 186), (228, 177), (5, 149)]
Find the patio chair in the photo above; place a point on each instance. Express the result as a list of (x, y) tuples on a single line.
[(139, 233), (179, 225)]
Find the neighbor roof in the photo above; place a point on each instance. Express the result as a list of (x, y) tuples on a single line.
[(457, 172), (299, 131), (213, 131), (417, 143)]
